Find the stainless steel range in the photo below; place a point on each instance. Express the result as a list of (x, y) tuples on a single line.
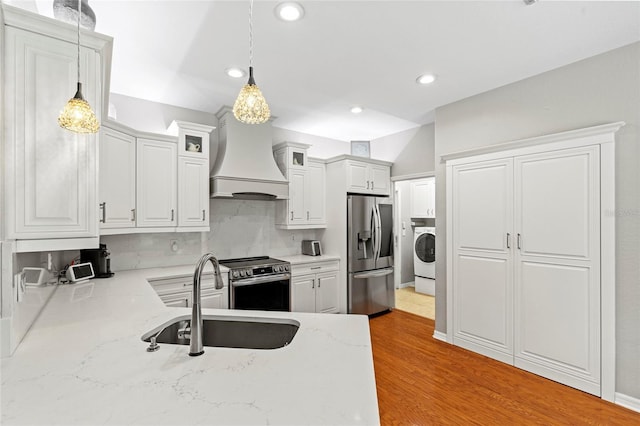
[(260, 283)]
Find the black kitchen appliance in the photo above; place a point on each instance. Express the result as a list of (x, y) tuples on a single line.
[(100, 260)]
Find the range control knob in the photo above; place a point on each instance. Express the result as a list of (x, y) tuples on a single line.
[(277, 268), (286, 268), (234, 274), (242, 273)]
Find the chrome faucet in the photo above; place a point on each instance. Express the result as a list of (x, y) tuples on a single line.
[(195, 344)]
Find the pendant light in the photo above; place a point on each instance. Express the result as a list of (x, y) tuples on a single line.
[(77, 114), (250, 106)]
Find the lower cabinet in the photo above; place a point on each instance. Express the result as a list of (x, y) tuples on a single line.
[(177, 292), (314, 287)]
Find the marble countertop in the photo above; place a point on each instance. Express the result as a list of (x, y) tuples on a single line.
[(83, 363)]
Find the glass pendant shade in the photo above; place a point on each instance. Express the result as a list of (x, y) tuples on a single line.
[(78, 116), (250, 106)]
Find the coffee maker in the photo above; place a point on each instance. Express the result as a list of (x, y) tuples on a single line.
[(100, 260)]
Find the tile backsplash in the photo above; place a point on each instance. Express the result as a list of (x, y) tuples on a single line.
[(239, 228)]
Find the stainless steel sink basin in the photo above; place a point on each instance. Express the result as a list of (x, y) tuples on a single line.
[(230, 332)]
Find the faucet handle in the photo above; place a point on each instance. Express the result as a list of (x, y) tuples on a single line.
[(184, 333)]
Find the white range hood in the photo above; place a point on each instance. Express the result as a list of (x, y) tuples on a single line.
[(245, 167)]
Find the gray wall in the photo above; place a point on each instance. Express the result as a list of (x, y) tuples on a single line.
[(598, 90), (418, 154)]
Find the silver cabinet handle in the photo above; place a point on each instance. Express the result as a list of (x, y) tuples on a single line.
[(103, 207), (315, 267), (508, 240), (313, 284), (172, 214), (203, 214), (291, 214), (307, 215), (318, 283), (367, 184), (133, 215), (518, 241)]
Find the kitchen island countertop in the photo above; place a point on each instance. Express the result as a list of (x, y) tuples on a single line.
[(83, 363)]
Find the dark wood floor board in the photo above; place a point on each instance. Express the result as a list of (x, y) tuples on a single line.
[(422, 381)]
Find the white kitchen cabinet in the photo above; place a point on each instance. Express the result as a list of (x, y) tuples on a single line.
[(525, 259), (50, 173), (178, 291), (423, 198), (368, 178), (193, 192), (314, 287), (305, 207), (156, 177), (117, 179)]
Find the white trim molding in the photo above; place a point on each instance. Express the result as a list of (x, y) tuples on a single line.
[(627, 401), (439, 335)]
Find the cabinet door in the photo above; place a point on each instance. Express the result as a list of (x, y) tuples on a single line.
[(419, 198), (297, 210), (380, 179), (215, 299), (303, 293), (358, 177), (51, 173), (431, 198), (315, 193), (557, 292), (482, 260), (156, 197), (117, 179), (193, 192), (327, 292)]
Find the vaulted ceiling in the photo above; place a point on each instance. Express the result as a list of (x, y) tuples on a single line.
[(346, 53)]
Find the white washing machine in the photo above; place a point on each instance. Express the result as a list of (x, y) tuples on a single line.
[(424, 259)]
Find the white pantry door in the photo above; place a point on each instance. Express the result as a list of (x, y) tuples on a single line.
[(557, 291), (482, 263)]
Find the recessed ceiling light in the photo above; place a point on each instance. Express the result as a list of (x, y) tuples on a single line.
[(426, 79), (289, 11), (235, 72), (356, 110)]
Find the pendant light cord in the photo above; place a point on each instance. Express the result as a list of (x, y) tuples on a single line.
[(250, 33), (79, 13)]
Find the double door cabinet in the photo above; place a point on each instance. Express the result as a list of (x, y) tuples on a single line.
[(314, 287), (50, 173), (145, 184), (525, 265), (368, 178)]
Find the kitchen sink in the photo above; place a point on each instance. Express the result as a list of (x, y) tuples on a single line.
[(229, 332)]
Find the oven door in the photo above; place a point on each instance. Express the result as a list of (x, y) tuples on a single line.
[(265, 293)]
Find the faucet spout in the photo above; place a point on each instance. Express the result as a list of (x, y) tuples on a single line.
[(195, 344)]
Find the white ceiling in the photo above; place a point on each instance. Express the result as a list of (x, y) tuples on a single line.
[(346, 53)]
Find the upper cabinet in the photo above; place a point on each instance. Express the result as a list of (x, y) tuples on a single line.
[(50, 173), (305, 207), (370, 177), (423, 198), (154, 183)]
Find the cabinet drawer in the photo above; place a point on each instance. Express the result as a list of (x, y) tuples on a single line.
[(164, 286), (314, 268)]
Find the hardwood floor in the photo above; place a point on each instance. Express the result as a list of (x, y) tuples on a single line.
[(422, 381)]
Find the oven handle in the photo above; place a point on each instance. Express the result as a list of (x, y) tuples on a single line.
[(260, 280)]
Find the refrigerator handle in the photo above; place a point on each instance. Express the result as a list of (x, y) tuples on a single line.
[(374, 274), (374, 232), (378, 233)]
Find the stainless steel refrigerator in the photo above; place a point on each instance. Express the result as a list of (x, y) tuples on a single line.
[(370, 287)]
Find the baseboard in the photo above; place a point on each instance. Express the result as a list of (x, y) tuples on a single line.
[(439, 335), (405, 285), (627, 402)]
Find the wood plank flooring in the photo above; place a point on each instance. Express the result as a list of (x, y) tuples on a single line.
[(422, 381)]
